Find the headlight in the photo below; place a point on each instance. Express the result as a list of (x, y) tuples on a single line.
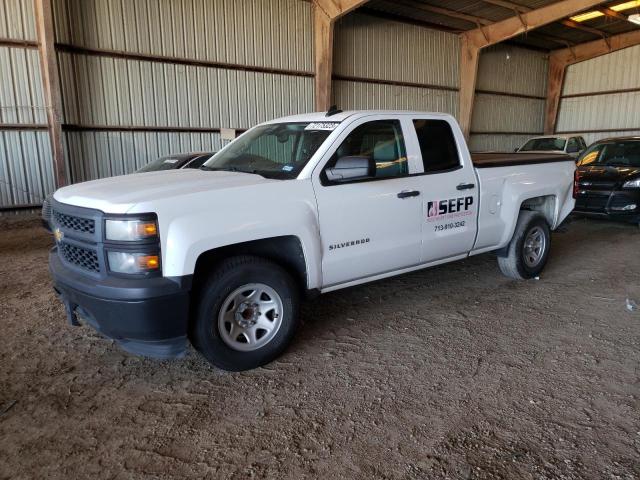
[(632, 183), (130, 230), (133, 263)]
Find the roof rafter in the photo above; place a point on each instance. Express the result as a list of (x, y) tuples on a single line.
[(566, 22)]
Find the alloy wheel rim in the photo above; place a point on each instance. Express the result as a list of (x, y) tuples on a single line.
[(250, 317), (534, 247)]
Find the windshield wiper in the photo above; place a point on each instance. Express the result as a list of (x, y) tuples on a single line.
[(230, 169)]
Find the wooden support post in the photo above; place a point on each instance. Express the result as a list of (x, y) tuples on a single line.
[(559, 60), (325, 14), (469, 55), (323, 42), (51, 86), (557, 68)]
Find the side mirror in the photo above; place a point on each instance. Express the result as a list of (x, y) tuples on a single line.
[(351, 168)]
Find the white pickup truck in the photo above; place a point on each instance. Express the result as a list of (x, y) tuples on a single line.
[(305, 204)]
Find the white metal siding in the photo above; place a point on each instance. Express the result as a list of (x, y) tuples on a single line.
[(606, 114), (21, 97), (26, 167), (510, 70), (498, 113), (360, 95), (17, 20), (103, 154), (370, 47), (110, 91), (117, 92), (614, 71), (504, 68), (376, 49), (493, 143), (267, 33)]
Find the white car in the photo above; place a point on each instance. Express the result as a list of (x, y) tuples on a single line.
[(572, 145), (297, 206)]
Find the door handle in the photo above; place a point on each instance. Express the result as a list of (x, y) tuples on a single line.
[(466, 186), (408, 193)]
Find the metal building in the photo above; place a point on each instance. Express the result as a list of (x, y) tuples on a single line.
[(93, 88)]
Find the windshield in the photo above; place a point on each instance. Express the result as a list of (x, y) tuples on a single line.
[(623, 153), (164, 163), (544, 144), (274, 151)]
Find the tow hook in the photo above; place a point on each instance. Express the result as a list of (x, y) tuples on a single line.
[(69, 308)]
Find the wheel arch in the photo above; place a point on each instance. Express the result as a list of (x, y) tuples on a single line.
[(546, 205), (287, 251)]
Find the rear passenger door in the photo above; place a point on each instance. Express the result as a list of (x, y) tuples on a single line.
[(449, 187)]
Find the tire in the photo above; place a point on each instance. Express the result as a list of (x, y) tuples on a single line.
[(253, 292), (517, 263)]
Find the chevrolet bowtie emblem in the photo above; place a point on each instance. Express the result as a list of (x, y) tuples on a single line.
[(57, 233)]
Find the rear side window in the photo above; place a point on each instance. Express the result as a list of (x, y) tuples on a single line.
[(572, 146), (437, 145)]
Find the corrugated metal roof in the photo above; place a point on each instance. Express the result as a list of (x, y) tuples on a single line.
[(417, 10)]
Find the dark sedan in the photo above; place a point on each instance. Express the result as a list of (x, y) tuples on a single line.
[(608, 179), (172, 162)]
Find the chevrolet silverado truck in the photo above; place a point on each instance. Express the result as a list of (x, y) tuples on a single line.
[(221, 257)]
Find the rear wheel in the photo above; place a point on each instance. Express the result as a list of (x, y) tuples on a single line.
[(246, 314), (528, 250)]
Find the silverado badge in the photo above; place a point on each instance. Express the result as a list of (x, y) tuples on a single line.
[(58, 235)]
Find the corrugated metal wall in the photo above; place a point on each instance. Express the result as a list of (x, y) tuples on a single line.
[(510, 98), (26, 168), (389, 65), (191, 64), (601, 97)]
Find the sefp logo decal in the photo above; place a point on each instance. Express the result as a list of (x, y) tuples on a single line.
[(453, 207), (58, 234)]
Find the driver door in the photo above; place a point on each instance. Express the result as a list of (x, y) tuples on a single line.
[(369, 226)]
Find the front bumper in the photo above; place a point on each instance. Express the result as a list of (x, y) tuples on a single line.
[(614, 204), (146, 317)]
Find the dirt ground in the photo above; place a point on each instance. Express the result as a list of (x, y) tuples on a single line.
[(453, 372)]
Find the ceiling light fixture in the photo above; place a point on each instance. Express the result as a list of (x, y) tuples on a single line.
[(583, 17), (626, 6), (635, 18)]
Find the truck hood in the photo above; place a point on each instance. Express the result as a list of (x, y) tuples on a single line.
[(121, 194)]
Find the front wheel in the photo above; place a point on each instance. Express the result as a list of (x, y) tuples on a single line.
[(246, 314), (528, 250)]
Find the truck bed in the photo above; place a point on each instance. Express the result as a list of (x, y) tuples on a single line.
[(491, 159)]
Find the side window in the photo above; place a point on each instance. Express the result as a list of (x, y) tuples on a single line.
[(437, 145), (198, 161), (380, 140), (572, 146)]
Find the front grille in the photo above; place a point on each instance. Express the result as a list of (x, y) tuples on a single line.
[(592, 201), (77, 224), (82, 257)]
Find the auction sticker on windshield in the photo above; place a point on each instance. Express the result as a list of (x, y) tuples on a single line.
[(322, 126)]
